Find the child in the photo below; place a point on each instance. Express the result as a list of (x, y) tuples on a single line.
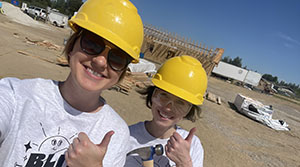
[(179, 87), (40, 118)]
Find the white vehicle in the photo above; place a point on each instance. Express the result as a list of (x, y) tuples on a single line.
[(36, 12), (57, 19), (237, 73)]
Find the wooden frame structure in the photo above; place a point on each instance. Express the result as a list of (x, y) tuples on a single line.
[(160, 45)]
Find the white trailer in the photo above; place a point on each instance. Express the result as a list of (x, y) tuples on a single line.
[(253, 78), (56, 18), (230, 71), (237, 73)]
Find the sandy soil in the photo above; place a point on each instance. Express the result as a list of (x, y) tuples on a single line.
[(229, 138)]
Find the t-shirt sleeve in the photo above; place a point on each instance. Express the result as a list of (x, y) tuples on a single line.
[(197, 152), (7, 105)]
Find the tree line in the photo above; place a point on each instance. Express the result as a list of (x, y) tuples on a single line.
[(273, 79), (67, 7)]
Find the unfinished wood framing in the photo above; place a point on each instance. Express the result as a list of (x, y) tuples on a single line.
[(158, 46), (161, 45)]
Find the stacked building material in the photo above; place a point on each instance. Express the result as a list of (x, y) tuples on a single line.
[(133, 80)]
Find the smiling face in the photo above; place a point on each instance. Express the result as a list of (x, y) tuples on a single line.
[(92, 72), (54, 144), (167, 109)]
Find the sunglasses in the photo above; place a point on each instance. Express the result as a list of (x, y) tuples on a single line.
[(163, 98), (93, 44)]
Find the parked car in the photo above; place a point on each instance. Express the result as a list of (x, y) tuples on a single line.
[(56, 18), (36, 12)]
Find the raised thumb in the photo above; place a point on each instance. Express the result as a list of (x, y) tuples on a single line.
[(105, 141), (191, 134)]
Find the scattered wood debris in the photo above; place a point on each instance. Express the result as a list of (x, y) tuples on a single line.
[(44, 43), (27, 54), (16, 35), (61, 60), (213, 98)]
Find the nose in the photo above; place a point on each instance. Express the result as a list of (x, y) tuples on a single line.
[(169, 106), (100, 61)]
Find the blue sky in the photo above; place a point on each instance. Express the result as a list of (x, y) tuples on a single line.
[(264, 33)]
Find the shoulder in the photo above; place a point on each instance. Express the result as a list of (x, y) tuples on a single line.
[(8, 85), (135, 126), (17, 81), (140, 137), (16, 84), (137, 130), (15, 87)]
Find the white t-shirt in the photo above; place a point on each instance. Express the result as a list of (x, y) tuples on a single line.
[(139, 137), (37, 125)]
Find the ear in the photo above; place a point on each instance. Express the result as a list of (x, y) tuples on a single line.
[(69, 56)]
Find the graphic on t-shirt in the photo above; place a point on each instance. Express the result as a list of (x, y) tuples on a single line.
[(55, 143), (47, 153)]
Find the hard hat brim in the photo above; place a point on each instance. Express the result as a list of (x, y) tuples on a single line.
[(179, 92), (104, 33)]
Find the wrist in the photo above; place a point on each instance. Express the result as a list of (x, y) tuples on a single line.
[(99, 165), (187, 163)]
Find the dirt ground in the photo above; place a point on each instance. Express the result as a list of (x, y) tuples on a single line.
[(229, 138)]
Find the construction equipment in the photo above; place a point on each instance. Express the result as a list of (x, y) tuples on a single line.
[(146, 153)]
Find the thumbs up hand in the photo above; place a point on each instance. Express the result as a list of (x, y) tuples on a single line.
[(83, 153), (178, 149)]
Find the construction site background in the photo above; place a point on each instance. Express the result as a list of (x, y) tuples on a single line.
[(30, 49)]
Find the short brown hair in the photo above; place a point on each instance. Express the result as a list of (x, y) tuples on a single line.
[(70, 43)]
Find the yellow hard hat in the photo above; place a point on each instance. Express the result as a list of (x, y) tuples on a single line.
[(182, 76), (115, 20)]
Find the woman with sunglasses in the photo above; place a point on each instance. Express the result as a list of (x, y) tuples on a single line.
[(179, 87), (49, 123)]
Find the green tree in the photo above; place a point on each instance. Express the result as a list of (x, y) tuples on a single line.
[(270, 78), (226, 59), (38, 3), (236, 61), (72, 6), (60, 6)]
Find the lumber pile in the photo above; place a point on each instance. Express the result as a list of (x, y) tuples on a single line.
[(133, 80)]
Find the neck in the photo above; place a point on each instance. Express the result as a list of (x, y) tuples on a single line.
[(158, 131), (78, 98)]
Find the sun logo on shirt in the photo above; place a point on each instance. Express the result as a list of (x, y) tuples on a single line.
[(48, 152)]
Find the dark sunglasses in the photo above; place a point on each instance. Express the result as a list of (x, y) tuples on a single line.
[(93, 44)]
